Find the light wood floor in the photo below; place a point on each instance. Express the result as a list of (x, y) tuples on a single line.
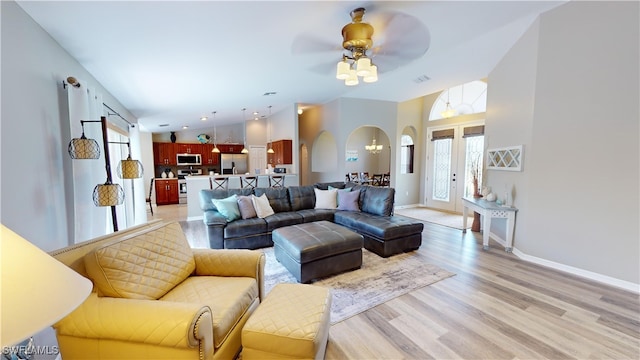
[(496, 307)]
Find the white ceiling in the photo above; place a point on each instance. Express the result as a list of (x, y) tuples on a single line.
[(172, 62)]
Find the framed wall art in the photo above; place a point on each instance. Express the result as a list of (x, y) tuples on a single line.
[(506, 158)]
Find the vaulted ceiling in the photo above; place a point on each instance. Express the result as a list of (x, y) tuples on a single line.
[(173, 62)]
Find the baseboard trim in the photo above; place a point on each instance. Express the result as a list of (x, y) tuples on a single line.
[(192, 218), (407, 206)]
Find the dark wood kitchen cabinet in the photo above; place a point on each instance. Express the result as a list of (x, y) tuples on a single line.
[(166, 191), (189, 148), (164, 153), (208, 157), (282, 154), (230, 148)]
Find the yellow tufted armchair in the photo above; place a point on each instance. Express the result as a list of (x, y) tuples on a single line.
[(156, 298)]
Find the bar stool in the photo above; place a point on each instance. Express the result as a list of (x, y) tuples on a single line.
[(276, 181), (248, 182), (216, 183)]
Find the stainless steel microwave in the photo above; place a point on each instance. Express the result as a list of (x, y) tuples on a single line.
[(189, 159)]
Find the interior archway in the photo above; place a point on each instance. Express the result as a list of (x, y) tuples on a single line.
[(358, 159)]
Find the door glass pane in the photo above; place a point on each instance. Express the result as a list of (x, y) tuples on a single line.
[(473, 163), (441, 169)]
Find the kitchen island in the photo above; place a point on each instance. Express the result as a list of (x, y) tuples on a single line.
[(199, 182)]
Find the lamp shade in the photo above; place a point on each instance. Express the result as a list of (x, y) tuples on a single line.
[(373, 75), (215, 149), (37, 290), (83, 148), (270, 151), (363, 66), (342, 70), (352, 79), (130, 169), (108, 194)]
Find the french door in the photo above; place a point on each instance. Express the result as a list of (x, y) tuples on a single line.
[(450, 160)]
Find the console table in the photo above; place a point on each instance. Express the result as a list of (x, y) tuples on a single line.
[(489, 210)]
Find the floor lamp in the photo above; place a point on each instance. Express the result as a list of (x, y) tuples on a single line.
[(107, 194)]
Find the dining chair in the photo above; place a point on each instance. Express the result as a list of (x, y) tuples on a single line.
[(386, 180), (376, 180), (364, 177), (148, 199), (216, 183), (248, 182), (354, 177), (276, 181)]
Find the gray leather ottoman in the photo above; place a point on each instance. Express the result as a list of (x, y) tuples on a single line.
[(317, 249)]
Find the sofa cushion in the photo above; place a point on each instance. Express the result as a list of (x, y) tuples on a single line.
[(141, 266), (228, 297), (378, 200), (302, 197), (325, 186), (326, 199), (243, 228), (228, 207), (245, 205), (279, 220), (262, 206), (278, 198), (311, 215)]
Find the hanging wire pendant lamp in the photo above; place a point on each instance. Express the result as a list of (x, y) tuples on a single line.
[(130, 169), (83, 148), (108, 194)]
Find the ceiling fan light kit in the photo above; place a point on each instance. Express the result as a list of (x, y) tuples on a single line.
[(357, 40)]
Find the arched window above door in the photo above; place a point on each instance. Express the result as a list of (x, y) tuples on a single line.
[(469, 98)]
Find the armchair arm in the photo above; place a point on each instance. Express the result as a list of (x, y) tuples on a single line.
[(246, 263), (156, 322)]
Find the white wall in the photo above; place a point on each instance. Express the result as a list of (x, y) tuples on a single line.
[(570, 94), (36, 186)]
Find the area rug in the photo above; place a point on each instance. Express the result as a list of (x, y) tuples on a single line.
[(435, 216), (377, 281)]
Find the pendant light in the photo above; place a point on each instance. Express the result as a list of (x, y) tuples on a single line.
[(244, 131), (215, 135), (448, 111), (270, 150)]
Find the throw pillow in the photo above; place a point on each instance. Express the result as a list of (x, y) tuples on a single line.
[(326, 199), (228, 207), (261, 205), (338, 199), (247, 211), (348, 200)]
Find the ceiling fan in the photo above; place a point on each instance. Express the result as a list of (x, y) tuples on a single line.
[(392, 39)]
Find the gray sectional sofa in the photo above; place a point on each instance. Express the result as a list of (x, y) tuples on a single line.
[(383, 233)]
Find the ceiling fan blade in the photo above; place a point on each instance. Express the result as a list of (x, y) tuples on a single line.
[(311, 44), (402, 35), (324, 68)]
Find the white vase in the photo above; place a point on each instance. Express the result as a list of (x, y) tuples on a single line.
[(491, 197), (163, 175), (171, 175)]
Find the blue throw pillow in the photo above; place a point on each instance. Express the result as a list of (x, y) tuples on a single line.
[(228, 207)]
